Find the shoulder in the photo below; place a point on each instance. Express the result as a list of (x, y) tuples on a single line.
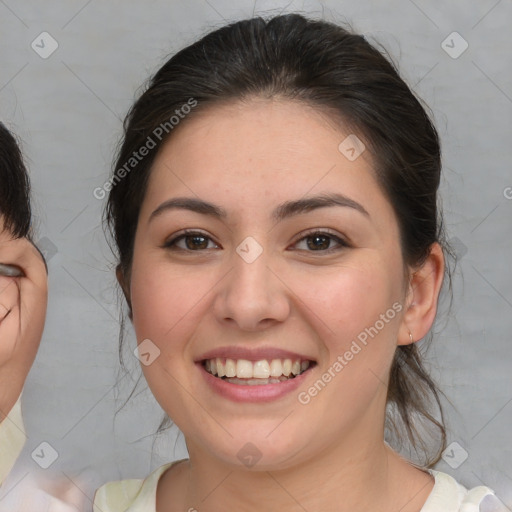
[(132, 495), (448, 495)]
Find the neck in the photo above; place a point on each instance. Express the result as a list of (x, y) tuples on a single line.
[(342, 478)]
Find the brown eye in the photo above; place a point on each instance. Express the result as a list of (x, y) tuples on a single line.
[(321, 241), (194, 241)]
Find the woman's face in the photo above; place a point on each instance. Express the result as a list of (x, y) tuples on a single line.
[(23, 300), (257, 287)]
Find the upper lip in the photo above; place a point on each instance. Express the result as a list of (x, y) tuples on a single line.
[(252, 354)]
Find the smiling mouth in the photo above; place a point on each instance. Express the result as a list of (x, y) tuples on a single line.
[(249, 373)]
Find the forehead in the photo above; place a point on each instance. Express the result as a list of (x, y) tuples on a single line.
[(282, 134), (259, 151)]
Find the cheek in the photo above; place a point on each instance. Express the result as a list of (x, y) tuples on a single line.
[(163, 305), (349, 299), (356, 311), (165, 300)]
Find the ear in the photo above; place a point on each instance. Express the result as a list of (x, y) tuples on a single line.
[(422, 296), (123, 283)]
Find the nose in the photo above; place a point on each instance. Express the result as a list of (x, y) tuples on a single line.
[(252, 295)]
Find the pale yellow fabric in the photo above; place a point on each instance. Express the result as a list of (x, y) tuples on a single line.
[(25, 495), (140, 495), (130, 495), (12, 439)]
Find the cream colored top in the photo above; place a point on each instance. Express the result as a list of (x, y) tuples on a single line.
[(12, 439), (447, 495), (25, 495)]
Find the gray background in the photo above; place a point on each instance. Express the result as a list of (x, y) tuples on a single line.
[(67, 110)]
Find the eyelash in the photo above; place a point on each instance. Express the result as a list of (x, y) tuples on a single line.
[(171, 244)]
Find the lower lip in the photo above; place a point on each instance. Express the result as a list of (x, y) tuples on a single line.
[(252, 393)]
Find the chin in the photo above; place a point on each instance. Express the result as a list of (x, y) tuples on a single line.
[(258, 451)]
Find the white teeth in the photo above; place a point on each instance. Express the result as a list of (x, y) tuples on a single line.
[(261, 370), (230, 368), (221, 370), (276, 368), (268, 371), (244, 369)]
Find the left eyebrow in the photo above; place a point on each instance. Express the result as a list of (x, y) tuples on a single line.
[(307, 204), (281, 212)]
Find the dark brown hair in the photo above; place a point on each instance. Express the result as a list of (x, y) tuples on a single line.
[(336, 71), (14, 186)]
